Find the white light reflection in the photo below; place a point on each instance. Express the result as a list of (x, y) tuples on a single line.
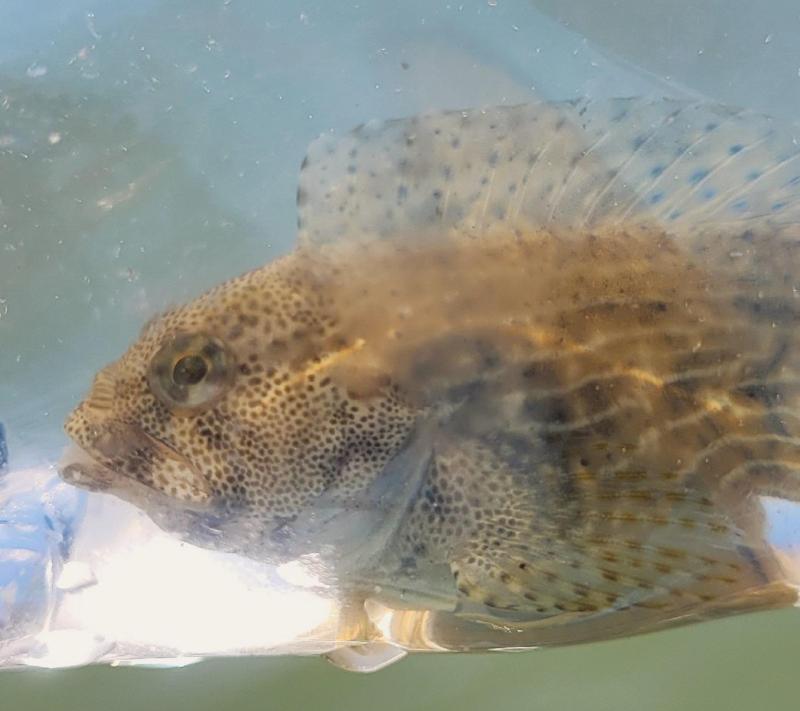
[(154, 592), (298, 572), (60, 649)]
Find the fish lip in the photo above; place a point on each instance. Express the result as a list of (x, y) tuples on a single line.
[(81, 462), (78, 467)]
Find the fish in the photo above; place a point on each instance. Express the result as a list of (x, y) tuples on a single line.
[(525, 379)]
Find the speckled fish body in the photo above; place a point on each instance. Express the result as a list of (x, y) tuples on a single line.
[(525, 380)]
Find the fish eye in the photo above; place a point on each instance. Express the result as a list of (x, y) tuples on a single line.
[(190, 372)]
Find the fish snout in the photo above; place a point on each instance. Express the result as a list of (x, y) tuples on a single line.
[(108, 454)]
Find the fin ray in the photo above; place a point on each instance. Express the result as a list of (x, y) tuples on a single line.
[(560, 165)]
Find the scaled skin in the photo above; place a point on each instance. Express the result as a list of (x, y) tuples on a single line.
[(583, 418)]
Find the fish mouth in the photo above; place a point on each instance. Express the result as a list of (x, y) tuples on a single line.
[(79, 468), (123, 459)]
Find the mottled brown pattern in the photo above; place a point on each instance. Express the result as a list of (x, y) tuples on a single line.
[(603, 407), (523, 381)]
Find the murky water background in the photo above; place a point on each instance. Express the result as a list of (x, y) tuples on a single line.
[(148, 151)]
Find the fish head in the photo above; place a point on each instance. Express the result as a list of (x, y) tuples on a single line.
[(231, 415)]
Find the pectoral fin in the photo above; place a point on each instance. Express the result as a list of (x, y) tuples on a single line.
[(629, 546)]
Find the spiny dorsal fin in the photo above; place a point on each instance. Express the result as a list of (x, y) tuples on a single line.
[(563, 165)]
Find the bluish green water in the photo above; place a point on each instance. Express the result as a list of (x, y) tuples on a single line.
[(736, 664), (148, 151)]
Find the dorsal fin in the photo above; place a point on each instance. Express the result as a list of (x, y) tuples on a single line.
[(564, 165)]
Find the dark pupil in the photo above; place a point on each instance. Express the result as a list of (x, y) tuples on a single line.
[(189, 370)]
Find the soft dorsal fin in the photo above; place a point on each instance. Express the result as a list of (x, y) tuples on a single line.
[(563, 165)]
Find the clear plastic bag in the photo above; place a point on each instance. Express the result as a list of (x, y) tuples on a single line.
[(122, 200)]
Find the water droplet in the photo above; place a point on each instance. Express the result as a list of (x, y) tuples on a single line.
[(34, 71)]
